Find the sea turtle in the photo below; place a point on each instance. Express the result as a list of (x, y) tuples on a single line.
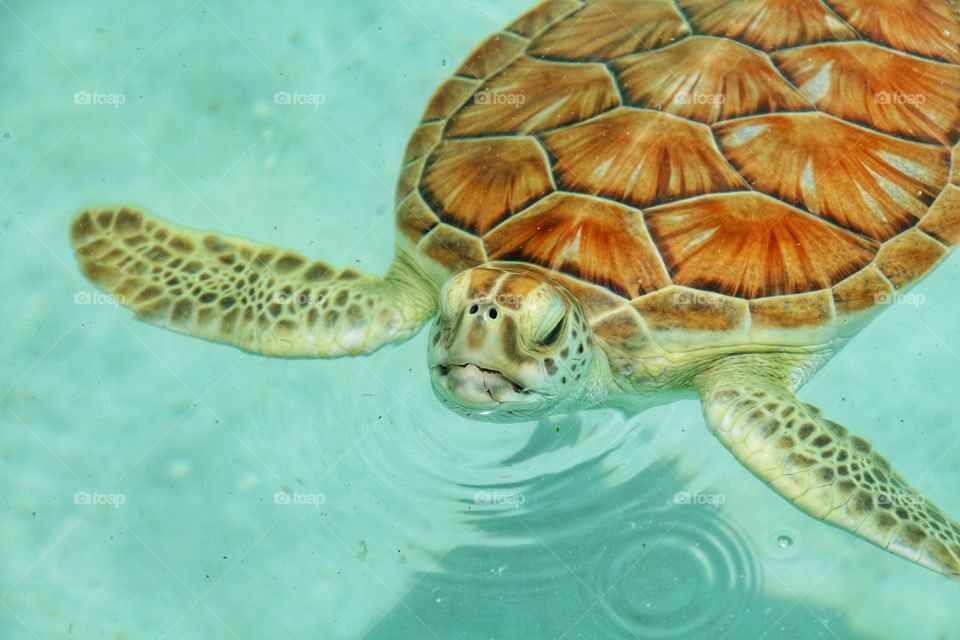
[(621, 202)]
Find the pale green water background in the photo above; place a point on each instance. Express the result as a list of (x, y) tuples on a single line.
[(403, 521)]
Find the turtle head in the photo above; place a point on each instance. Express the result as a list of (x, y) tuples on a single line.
[(509, 345)]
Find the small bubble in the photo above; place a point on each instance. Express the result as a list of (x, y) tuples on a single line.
[(784, 541), (261, 110), (178, 470), (6, 135), (248, 482)]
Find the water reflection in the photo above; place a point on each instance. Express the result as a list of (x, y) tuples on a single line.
[(678, 572), (597, 550)]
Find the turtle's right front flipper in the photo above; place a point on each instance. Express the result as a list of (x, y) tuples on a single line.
[(824, 470), (259, 298)]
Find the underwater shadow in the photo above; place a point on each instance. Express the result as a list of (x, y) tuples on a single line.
[(600, 551)]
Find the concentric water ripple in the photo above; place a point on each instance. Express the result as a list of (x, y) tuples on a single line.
[(677, 571), (567, 513), (589, 551), (393, 455)]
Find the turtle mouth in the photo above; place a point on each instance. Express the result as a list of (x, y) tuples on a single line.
[(482, 386)]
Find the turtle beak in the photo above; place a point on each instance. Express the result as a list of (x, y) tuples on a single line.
[(480, 387), (474, 369)]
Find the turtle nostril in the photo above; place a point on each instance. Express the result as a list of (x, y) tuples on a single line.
[(443, 370), (493, 314), (473, 309)]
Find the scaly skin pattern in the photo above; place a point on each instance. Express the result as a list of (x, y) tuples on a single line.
[(256, 297), (821, 467)]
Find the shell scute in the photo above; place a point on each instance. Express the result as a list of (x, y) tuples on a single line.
[(478, 182), (909, 256), (640, 157), (424, 138), (452, 249), (922, 27), (752, 246), (942, 221), (605, 29), (792, 312), (534, 95), (706, 79), (449, 97), (542, 16), (624, 328), (881, 88), (862, 291), (415, 218), (598, 241), (684, 310), (767, 24), (874, 184), (410, 176), (495, 53)]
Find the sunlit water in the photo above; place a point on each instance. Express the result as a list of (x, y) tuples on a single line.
[(156, 486)]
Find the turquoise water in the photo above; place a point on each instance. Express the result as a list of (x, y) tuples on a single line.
[(159, 487)]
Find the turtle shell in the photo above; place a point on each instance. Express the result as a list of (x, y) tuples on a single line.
[(741, 167)]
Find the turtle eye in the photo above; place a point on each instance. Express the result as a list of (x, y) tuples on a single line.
[(551, 338)]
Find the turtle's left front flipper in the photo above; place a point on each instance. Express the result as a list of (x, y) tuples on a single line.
[(824, 470), (260, 298)]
